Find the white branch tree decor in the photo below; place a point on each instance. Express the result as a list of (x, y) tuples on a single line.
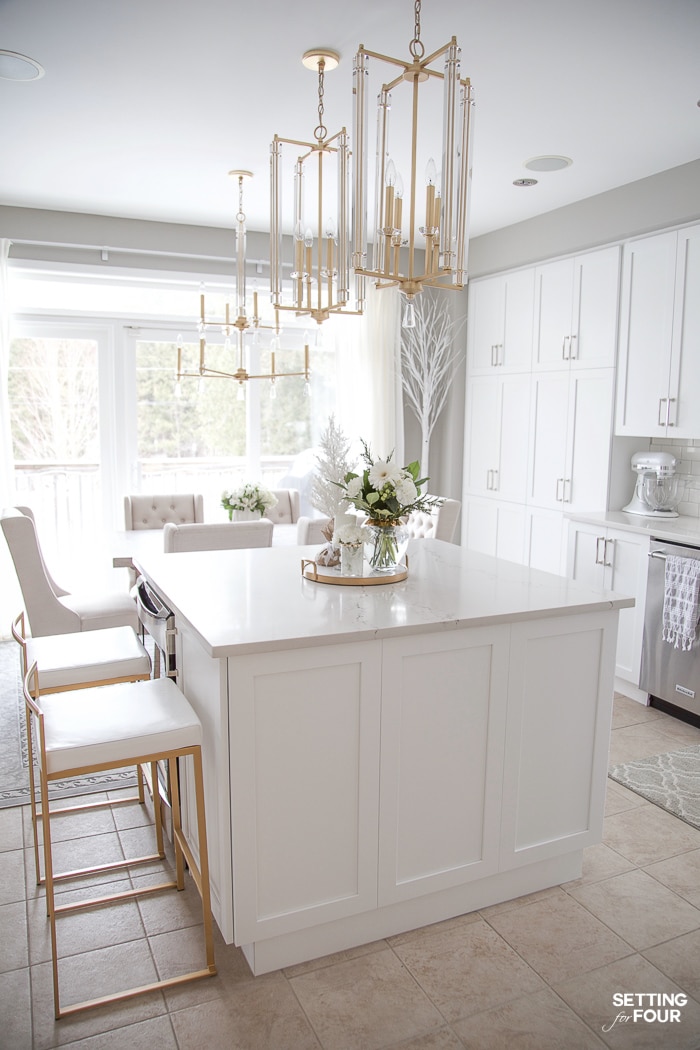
[(428, 362), (332, 466)]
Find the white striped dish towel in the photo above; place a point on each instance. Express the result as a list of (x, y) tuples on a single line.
[(681, 601)]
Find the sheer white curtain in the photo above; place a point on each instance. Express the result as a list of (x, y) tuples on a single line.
[(369, 394), (10, 596), (7, 467)]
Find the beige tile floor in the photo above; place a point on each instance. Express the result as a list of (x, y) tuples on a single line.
[(539, 972)]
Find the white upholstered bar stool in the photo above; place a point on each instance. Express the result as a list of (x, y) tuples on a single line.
[(92, 730), (81, 661)]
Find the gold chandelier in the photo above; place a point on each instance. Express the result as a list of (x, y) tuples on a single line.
[(321, 246), (437, 223), (235, 330)]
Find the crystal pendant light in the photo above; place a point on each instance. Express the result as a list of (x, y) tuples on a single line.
[(432, 215), (320, 263), (234, 331)]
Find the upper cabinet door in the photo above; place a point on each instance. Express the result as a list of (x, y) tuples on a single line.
[(576, 311), (654, 353), (684, 379), (500, 323), (554, 283), (595, 309)]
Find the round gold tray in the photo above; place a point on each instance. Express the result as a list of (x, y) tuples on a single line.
[(330, 574)]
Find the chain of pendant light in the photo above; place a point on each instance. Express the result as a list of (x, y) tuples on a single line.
[(416, 47), (321, 130)]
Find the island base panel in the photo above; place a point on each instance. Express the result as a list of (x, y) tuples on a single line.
[(314, 943)]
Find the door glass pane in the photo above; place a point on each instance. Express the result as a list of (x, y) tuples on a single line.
[(53, 391), (191, 434)]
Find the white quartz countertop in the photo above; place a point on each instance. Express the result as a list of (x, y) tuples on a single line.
[(672, 530), (246, 601)]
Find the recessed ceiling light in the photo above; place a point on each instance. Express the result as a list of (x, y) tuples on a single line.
[(549, 163), (19, 67), (525, 182)]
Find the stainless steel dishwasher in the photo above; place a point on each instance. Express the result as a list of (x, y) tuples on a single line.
[(159, 621), (670, 676)]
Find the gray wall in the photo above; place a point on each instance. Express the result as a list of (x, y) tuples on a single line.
[(670, 198)]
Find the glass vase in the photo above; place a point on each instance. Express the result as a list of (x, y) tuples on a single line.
[(352, 560), (386, 547)]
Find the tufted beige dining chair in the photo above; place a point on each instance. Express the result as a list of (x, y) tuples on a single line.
[(52, 609), (216, 536), (310, 530), (438, 524), (286, 510), (154, 511)]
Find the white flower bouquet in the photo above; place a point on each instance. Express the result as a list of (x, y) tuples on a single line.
[(384, 491), (249, 497)]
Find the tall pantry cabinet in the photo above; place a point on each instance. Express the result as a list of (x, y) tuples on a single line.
[(555, 402)]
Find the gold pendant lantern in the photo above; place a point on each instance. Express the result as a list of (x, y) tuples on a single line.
[(432, 213)]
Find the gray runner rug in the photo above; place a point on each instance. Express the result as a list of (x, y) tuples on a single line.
[(671, 781), (14, 768)]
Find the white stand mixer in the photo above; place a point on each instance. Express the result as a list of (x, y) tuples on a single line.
[(658, 489)]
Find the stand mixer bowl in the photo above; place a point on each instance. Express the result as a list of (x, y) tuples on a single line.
[(663, 493)]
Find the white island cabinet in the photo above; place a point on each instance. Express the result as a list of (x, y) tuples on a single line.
[(381, 758)]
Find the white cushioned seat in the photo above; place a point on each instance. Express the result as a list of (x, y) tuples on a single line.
[(310, 530), (66, 661), (99, 612), (217, 536), (286, 510), (52, 609), (124, 723), (437, 524), (155, 511)]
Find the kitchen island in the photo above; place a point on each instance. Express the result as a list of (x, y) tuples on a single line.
[(381, 758)]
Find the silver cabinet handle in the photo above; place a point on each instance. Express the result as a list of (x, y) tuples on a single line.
[(495, 480), (560, 497), (662, 422), (499, 356), (493, 355), (566, 497), (598, 541), (605, 552), (564, 355), (671, 401), (573, 352), (489, 479)]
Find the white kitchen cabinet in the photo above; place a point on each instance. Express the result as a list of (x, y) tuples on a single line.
[(658, 389), (571, 756), (304, 786), (545, 540), (499, 325), (496, 431), (570, 439), (576, 311), (442, 760), (616, 560), (494, 527)]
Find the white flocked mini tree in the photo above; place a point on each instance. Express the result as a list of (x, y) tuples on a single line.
[(332, 464), (428, 363)]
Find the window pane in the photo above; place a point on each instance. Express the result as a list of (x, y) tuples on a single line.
[(204, 420), (53, 391)]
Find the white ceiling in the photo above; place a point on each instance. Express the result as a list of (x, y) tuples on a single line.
[(147, 104)]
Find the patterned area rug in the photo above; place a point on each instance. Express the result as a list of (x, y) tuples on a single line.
[(671, 781), (14, 767)]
